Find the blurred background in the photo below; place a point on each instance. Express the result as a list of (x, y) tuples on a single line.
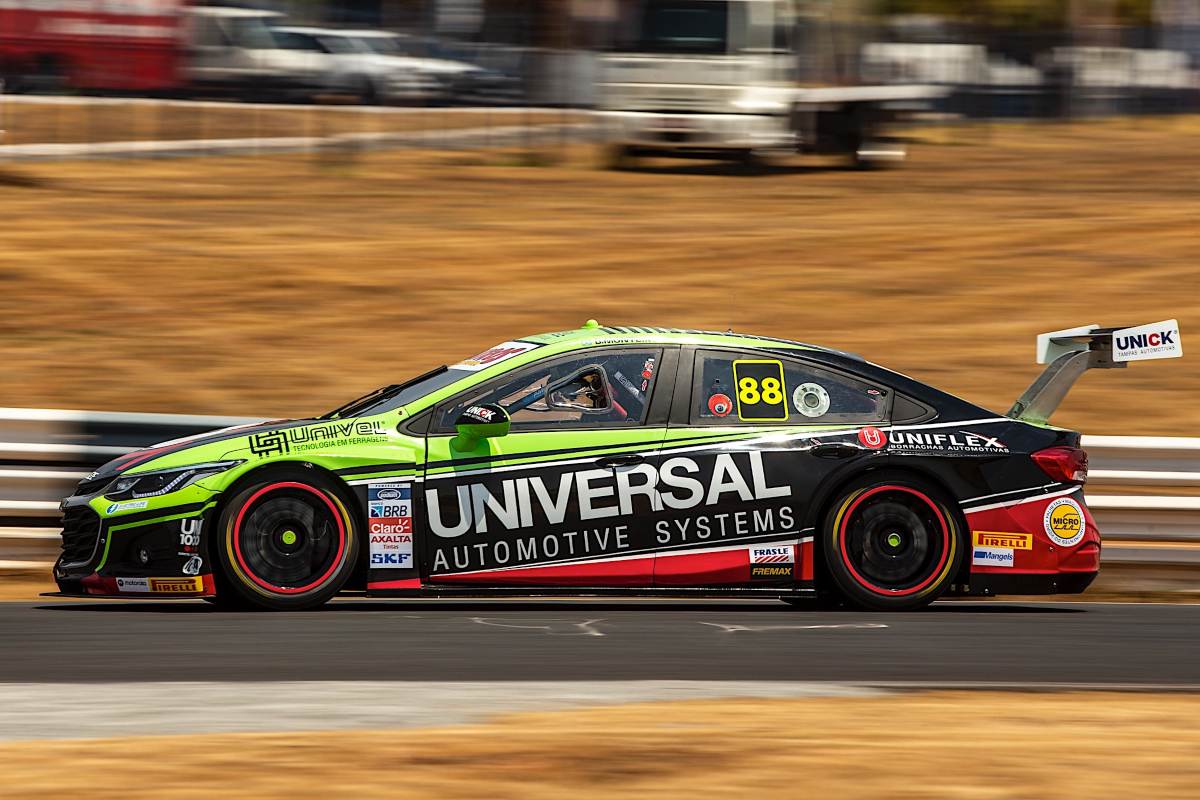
[(262, 209), (212, 212)]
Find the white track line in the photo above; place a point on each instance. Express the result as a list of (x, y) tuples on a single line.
[(86, 711)]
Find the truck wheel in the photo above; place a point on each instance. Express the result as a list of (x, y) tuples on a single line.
[(891, 544), (286, 542), (620, 156)]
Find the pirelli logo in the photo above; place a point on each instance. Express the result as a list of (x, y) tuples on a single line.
[(176, 585), (1010, 541)]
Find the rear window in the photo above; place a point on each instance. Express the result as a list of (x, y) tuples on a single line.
[(760, 388)]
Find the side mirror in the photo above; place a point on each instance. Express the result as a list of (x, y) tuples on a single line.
[(481, 422)]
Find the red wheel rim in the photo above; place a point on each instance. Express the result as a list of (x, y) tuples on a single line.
[(334, 512), (849, 562)]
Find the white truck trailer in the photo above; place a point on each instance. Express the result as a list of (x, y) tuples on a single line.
[(740, 79)]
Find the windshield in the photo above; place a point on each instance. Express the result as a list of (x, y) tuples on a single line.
[(251, 32), (389, 398), (684, 26), (342, 44), (297, 41), (383, 45)]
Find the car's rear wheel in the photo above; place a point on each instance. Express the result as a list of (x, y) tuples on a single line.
[(287, 542), (891, 544)]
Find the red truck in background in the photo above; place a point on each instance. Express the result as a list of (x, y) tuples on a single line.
[(162, 47), (112, 45)]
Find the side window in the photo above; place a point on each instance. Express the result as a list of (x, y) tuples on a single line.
[(762, 389), (609, 388)]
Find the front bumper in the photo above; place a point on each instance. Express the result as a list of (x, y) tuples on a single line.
[(698, 132), (155, 552)]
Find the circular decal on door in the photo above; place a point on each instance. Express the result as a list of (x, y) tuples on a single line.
[(720, 405), (872, 437), (811, 399), (1063, 521)]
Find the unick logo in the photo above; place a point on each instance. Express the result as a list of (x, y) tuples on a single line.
[(1156, 340)]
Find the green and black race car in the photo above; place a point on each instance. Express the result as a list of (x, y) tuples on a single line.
[(612, 459)]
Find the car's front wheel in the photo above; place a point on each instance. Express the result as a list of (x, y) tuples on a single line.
[(891, 544), (286, 542)]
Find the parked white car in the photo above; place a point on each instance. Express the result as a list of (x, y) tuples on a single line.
[(459, 80), (232, 51), (353, 68)]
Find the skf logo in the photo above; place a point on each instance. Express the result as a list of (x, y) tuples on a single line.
[(1012, 541), (389, 559)]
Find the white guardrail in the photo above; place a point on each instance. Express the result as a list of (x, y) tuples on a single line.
[(44, 453)]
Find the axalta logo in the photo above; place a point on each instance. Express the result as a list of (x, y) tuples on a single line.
[(597, 494), (1063, 521)]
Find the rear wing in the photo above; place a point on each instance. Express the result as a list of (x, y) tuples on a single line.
[(1072, 352)]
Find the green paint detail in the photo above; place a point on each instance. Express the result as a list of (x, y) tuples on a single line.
[(143, 523), (893, 539), (385, 443), (289, 537)]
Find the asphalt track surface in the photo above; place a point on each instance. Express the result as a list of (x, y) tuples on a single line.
[(953, 643)]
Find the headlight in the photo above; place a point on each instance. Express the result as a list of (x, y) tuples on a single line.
[(153, 484)]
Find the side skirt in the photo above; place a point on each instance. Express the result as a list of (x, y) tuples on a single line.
[(476, 590)]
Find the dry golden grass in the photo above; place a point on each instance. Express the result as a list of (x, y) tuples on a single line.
[(25, 584), (285, 286), (938, 745)]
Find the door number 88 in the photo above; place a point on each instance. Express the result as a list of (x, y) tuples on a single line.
[(750, 392)]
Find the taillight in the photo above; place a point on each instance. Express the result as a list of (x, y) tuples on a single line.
[(1068, 464)]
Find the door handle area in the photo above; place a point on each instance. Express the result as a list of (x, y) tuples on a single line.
[(835, 450), (623, 460)]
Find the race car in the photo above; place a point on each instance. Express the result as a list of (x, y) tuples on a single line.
[(635, 460)]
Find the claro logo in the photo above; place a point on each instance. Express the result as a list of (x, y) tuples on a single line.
[(598, 493)]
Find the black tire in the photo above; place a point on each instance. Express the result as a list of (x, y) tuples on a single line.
[(286, 542), (891, 544), (620, 157)]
